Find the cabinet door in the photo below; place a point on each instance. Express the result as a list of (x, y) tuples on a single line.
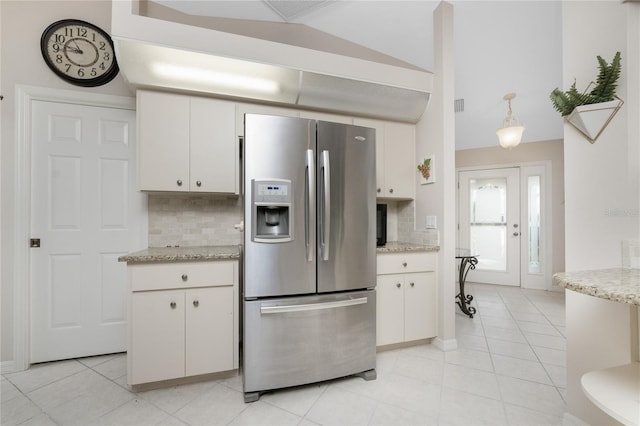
[(209, 330), (214, 159), (400, 167), (379, 127), (390, 310), (420, 306), (157, 336), (163, 141)]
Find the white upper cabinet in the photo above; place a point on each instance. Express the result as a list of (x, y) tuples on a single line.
[(186, 144), (163, 142), (400, 166), (214, 149), (395, 158)]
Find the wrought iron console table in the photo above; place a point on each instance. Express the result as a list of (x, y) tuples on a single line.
[(468, 261)]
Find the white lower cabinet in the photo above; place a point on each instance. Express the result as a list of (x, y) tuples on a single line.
[(406, 297), (179, 332)]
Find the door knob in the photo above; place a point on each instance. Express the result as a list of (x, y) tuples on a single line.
[(515, 225), (515, 234)]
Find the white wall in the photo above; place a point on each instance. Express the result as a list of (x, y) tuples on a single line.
[(601, 188), (600, 182), (502, 47), (22, 23)]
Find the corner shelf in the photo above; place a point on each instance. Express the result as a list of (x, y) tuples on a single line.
[(616, 391)]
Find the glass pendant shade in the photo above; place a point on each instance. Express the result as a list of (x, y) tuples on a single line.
[(510, 134)]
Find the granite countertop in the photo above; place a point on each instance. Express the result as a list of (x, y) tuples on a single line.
[(400, 247), (180, 254), (615, 284)]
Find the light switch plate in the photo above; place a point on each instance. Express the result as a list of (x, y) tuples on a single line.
[(431, 222)]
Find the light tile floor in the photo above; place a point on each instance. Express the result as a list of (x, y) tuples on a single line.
[(509, 369)]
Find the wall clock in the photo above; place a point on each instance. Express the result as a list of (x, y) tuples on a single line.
[(79, 52)]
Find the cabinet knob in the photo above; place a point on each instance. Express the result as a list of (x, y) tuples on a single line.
[(412, 284), (398, 285), (391, 190), (404, 264), (173, 305), (196, 303), (185, 277), (179, 182), (379, 190), (198, 183)]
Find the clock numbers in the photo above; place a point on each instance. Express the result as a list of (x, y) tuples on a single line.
[(79, 52)]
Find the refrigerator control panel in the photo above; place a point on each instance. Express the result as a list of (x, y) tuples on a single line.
[(275, 191)]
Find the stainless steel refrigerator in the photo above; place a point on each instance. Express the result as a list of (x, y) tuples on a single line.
[(309, 300)]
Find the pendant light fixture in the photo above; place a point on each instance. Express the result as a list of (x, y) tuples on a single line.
[(511, 131)]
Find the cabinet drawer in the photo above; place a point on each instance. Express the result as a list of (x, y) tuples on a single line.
[(395, 263), (161, 276)]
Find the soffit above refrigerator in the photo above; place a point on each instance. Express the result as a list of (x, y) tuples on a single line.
[(280, 63)]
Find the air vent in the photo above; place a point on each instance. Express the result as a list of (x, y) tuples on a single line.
[(458, 105)]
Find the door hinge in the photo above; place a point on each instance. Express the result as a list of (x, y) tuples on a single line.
[(34, 242)]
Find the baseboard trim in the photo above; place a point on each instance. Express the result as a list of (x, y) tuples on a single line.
[(7, 367), (445, 345)]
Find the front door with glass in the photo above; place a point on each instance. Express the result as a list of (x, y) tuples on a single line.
[(489, 209)]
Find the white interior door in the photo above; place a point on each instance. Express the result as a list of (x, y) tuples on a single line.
[(489, 209), (85, 212)]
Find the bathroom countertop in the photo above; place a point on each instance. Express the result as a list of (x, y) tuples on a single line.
[(615, 284), (402, 247), (182, 254)]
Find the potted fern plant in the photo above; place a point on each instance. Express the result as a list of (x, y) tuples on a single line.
[(590, 111)]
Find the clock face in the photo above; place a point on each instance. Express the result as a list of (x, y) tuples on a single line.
[(79, 52)]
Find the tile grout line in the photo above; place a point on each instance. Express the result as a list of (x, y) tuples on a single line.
[(538, 357)]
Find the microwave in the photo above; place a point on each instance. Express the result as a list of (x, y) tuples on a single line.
[(381, 224)]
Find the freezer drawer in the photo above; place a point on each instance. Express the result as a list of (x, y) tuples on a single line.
[(299, 340)]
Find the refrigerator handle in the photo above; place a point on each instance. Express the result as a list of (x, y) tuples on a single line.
[(312, 306), (309, 205), (325, 224)]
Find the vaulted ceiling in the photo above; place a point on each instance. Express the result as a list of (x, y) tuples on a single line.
[(500, 47)]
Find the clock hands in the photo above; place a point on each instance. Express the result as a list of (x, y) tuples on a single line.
[(76, 49)]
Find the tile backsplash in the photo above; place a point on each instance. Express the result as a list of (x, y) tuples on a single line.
[(200, 220), (193, 220), (401, 225)]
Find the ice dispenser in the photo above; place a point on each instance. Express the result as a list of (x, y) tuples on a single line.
[(272, 211)]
